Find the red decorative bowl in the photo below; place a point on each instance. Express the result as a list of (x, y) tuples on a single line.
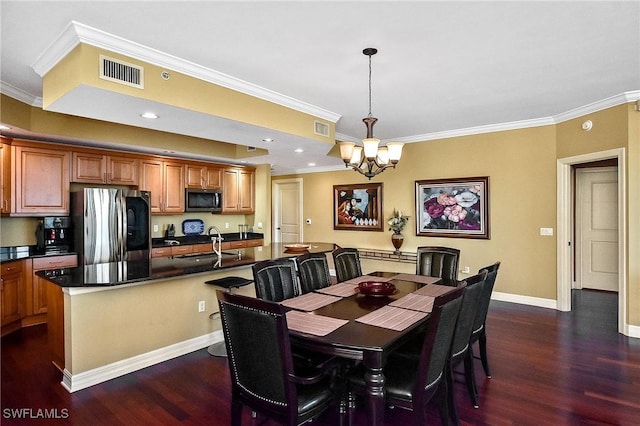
[(377, 288)]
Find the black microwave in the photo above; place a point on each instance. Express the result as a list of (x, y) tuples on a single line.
[(203, 200)]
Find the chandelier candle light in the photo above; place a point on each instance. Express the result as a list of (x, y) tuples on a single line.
[(374, 159)]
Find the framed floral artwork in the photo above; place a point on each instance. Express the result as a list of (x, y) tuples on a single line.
[(358, 207), (456, 207)]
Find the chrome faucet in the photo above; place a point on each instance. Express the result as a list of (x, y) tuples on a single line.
[(217, 251)]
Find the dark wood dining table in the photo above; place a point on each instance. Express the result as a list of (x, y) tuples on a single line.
[(366, 343)]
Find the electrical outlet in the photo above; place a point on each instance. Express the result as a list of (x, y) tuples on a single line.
[(201, 306), (548, 232), (155, 228), (465, 270), (259, 225), (226, 225)]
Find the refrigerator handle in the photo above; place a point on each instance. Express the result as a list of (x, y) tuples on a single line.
[(121, 226)]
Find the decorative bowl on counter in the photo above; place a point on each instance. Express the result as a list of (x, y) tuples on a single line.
[(377, 288), (297, 247)]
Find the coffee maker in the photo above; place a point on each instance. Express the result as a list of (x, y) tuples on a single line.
[(53, 235)]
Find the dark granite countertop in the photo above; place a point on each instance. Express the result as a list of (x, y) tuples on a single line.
[(9, 254), (127, 272), (197, 239)]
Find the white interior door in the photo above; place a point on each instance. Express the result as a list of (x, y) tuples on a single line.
[(287, 211), (597, 228)]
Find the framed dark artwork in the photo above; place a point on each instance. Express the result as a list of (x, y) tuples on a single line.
[(456, 207), (358, 207)]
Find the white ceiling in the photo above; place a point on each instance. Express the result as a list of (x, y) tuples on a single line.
[(441, 66)]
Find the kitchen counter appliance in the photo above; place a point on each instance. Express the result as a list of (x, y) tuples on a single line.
[(53, 235), (111, 225), (203, 200)]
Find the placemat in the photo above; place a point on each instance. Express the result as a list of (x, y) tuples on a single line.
[(422, 279), (318, 325), (415, 302), (344, 289), (309, 301), (433, 290), (363, 278), (392, 318)]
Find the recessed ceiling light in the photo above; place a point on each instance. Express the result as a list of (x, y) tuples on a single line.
[(268, 140), (151, 115), (312, 164), (298, 150)]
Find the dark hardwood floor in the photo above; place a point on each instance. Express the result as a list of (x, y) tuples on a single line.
[(549, 368)]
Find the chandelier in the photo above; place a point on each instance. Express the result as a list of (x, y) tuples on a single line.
[(370, 159)]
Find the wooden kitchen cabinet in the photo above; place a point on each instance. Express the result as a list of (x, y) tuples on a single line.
[(11, 300), (36, 288), (203, 177), (165, 180), (238, 186), (55, 323), (104, 169), (5, 176), (40, 181), (239, 244)]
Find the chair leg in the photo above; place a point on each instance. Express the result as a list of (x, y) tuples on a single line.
[(469, 378), (236, 413), (450, 396), (351, 406), (482, 343), (442, 399)]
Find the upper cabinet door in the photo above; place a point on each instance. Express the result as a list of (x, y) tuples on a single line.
[(173, 187), (98, 168), (5, 178), (122, 170), (238, 190), (88, 168), (41, 181), (165, 180), (203, 177)]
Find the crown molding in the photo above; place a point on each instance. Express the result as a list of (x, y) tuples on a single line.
[(622, 98), (600, 105), (76, 33), (20, 95), (309, 170)]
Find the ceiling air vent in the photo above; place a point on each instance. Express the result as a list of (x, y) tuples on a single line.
[(320, 128), (121, 72)]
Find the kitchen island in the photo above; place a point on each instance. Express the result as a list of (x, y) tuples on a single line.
[(111, 319)]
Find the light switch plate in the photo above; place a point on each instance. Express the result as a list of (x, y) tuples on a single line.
[(546, 231)]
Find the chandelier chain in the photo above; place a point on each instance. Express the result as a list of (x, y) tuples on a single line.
[(370, 86)]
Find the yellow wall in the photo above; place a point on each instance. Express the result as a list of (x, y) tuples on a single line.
[(81, 67), (522, 200), (97, 337)]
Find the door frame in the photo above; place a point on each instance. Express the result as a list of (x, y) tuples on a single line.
[(276, 203), (566, 220)]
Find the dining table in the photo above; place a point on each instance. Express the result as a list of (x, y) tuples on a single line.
[(341, 321)]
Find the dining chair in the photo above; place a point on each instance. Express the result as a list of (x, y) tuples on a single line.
[(479, 333), (460, 346), (313, 270), (438, 261), (261, 364), (347, 263), (276, 280), (410, 382)]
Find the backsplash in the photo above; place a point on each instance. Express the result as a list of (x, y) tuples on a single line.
[(18, 231)]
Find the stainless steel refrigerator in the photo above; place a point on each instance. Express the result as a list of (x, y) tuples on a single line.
[(111, 225)]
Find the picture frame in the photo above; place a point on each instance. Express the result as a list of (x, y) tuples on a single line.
[(358, 207), (455, 207)]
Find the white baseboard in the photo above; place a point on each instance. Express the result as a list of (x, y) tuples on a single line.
[(524, 300), (632, 331), (75, 382)]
